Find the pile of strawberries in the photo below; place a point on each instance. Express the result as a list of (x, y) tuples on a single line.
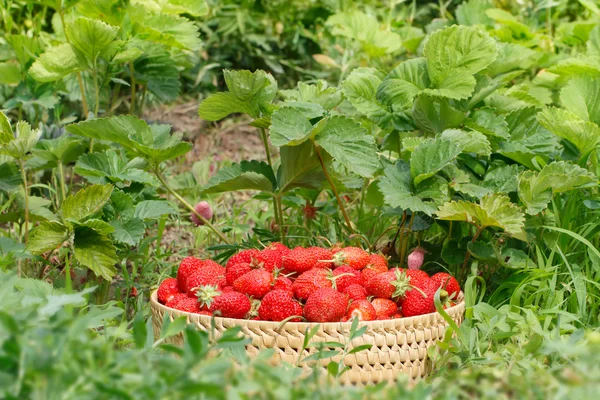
[(304, 284)]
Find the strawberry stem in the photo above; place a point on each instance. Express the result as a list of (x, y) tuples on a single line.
[(288, 319)]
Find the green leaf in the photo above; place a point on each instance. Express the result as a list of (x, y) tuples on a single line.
[(454, 54), (318, 93), (488, 122), (518, 152), (472, 12), (166, 29), (247, 175), (55, 63), (47, 236), (470, 142), (248, 92), (581, 96), (502, 179), (536, 189), (98, 225), (435, 114), (49, 152), (155, 69), (96, 252), (289, 127), (86, 202), (112, 166), (347, 142), (399, 89), (129, 232), (10, 176), (195, 8), (583, 134), (300, 167), (360, 88), (150, 209), (23, 141), (10, 74), (494, 210), (396, 188), (431, 156), (91, 36), (512, 56)]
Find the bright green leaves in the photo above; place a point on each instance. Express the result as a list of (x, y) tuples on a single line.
[(95, 251), (19, 143), (583, 134), (248, 92), (111, 166), (153, 143), (536, 188), (431, 156), (91, 36), (47, 236), (86, 202), (495, 210), (454, 55), (55, 63), (247, 175), (403, 84), (289, 126), (10, 177), (300, 168), (581, 96), (318, 93)]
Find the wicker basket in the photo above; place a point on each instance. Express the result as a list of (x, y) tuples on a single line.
[(398, 345)]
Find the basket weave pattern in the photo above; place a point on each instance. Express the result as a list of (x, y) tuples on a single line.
[(398, 345)]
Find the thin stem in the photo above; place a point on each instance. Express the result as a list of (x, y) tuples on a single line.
[(61, 174), (334, 189), (26, 190), (96, 90), (190, 207), (132, 104), (143, 102), (263, 134), (475, 236), (279, 208)]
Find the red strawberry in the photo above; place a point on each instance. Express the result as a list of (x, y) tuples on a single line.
[(189, 304), (244, 256), (204, 209), (167, 290), (415, 258), (255, 283), (395, 283), (282, 283), (448, 283), (384, 307), (355, 292), (362, 309), (397, 315), (211, 263), (355, 257), (227, 289), (381, 285), (301, 260), (230, 305), (326, 305), (175, 299), (377, 265), (419, 301), (309, 281), (269, 259), (278, 305), (208, 275), (282, 248), (232, 272), (415, 273), (320, 254), (345, 276), (205, 312), (187, 267)]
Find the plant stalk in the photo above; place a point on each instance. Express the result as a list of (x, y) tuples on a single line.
[(191, 208), (263, 134), (26, 190), (475, 237), (333, 188), (279, 208), (61, 174), (132, 104)]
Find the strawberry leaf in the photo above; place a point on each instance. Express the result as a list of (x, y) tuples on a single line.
[(86, 202), (47, 236), (431, 156), (300, 167), (96, 252), (247, 175), (583, 134)]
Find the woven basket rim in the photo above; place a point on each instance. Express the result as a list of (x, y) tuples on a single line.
[(259, 324)]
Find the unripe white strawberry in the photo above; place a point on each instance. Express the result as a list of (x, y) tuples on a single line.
[(416, 257), (204, 209)]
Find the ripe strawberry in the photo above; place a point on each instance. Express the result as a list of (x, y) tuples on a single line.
[(320, 254), (384, 307), (282, 248), (416, 257), (397, 315), (230, 305), (382, 285), (355, 257), (189, 304), (175, 299), (415, 273), (301, 260), (282, 282), (232, 272), (167, 290), (227, 289), (204, 209), (308, 282), (244, 256), (355, 292), (345, 276), (269, 259), (447, 282), (377, 265), (208, 275), (187, 267), (362, 309), (255, 283), (205, 312), (326, 305), (420, 301), (278, 305)]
